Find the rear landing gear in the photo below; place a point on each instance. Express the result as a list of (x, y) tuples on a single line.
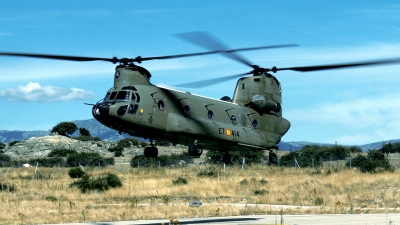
[(272, 157), (151, 151), (195, 150)]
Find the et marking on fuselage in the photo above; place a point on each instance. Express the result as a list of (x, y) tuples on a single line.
[(228, 132)]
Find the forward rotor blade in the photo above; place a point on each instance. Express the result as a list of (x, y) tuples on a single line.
[(209, 82), (342, 65), (218, 51), (58, 57), (206, 41)]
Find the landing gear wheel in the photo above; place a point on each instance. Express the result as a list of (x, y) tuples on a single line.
[(272, 157), (150, 152), (226, 158), (195, 150)]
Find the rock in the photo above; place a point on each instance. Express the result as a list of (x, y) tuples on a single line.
[(42, 146)]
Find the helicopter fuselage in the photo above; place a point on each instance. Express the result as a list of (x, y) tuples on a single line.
[(137, 107)]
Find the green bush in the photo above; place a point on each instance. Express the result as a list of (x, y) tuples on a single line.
[(209, 172), (2, 145), (7, 187), (374, 162), (162, 160), (237, 157), (102, 183), (179, 181), (61, 152), (87, 138), (13, 143), (84, 132), (64, 128), (5, 158), (84, 159), (76, 172), (48, 162), (51, 198)]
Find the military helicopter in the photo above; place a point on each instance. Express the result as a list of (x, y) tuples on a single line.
[(251, 120)]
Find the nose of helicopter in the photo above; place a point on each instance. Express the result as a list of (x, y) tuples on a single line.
[(100, 110)]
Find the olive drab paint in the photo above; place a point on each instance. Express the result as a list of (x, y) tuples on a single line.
[(135, 106)]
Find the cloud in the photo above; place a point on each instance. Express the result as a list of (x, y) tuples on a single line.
[(34, 92)]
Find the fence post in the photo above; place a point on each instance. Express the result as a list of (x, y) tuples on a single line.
[(350, 161), (244, 161)]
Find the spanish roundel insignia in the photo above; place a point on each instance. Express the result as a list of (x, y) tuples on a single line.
[(117, 74), (228, 132)]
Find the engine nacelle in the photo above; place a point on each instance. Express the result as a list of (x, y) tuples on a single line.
[(260, 103)]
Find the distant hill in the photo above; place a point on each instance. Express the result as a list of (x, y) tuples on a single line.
[(96, 129)]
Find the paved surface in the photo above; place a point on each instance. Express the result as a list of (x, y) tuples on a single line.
[(327, 219)]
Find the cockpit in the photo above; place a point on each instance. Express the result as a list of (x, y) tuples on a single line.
[(127, 93)]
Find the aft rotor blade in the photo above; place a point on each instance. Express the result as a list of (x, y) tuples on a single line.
[(209, 82), (342, 65), (58, 57)]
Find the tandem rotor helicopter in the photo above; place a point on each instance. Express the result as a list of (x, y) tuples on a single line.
[(251, 120)]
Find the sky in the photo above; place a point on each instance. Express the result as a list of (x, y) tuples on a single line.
[(348, 106)]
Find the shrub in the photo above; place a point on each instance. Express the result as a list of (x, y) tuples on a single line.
[(236, 156), (209, 172), (7, 187), (374, 162), (76, 172), (48, 162), (64, 128), (84, 159), (101, 183), (87, 138), (319, 201), (84, 132), (13, 143), (179, 181), (61, 152), (51, 198), (2, 145), (5, 158), (260, 192), (160, 160)]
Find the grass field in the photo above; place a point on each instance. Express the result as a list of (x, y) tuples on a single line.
[(160, 193)]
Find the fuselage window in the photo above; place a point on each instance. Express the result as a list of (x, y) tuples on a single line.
[(122, 110), (210, 114), (137, 97), (255, 124), (161, 105), (233, 119), (186, 110), (133, 97), (123, 95), (133, 109)]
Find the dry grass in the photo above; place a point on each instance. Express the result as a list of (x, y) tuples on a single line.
[(150, 194)]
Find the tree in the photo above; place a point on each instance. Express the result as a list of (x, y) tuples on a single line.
[(84, 132), (65, 128)]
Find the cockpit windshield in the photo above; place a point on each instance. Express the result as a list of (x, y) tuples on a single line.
[(123, 96)]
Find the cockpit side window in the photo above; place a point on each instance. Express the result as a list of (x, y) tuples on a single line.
[(113, 94), (107, 96)]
